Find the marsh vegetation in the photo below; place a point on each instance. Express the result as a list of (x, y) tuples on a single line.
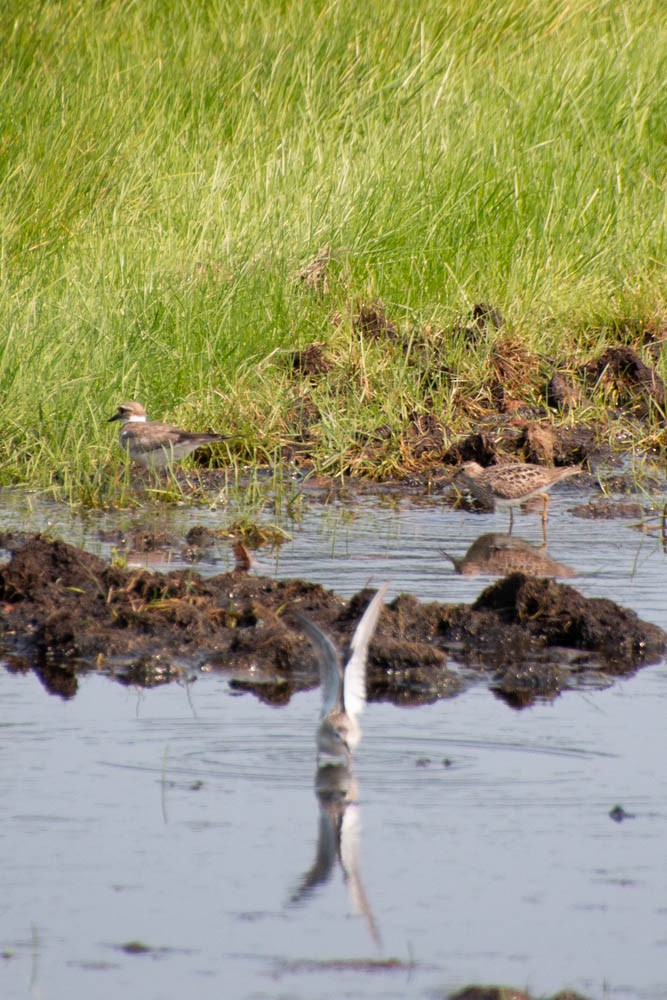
[(283, 221)]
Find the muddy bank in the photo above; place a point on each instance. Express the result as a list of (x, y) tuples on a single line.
[(506, 405), (506, 401), (64, 611)]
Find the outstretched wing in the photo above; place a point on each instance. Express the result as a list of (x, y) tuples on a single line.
[(354, 683), (331, 671)]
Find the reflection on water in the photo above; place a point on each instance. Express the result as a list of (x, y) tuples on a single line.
[(338, 840), (504, 866), (338, 736), (496, 554)]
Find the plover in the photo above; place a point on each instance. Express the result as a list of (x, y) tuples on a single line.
[(343, 687), (510, 485), (152, 444)]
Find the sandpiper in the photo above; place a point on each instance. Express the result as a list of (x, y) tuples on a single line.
[(152, 444), (343, 688), (510, 485)]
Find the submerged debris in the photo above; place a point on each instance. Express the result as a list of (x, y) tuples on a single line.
[(618, 814), (607, 510)]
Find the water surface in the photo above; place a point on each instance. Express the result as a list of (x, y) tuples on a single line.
[(184, 817)]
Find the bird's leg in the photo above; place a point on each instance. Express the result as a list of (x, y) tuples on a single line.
[(544, 532), (545, 501), (511, 520)]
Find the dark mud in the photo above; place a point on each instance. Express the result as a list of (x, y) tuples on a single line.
[(64, 611), (634, 385), (506, 993)]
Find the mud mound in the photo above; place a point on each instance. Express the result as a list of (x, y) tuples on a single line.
[(635, 385), (64, 611), (556, 614)]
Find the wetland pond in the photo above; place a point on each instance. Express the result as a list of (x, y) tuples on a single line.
[(168, 841)]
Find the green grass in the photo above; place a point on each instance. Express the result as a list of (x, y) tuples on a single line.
[(166, 170)]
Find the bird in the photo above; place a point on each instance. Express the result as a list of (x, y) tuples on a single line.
[(155, 445), (509, 485), (343, 687)]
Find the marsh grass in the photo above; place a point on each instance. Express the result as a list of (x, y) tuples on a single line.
[(166, 171)]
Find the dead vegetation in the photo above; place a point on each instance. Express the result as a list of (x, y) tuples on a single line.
[(473, 391)]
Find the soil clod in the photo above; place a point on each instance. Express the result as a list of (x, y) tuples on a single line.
[(64, 611), (633, 384)]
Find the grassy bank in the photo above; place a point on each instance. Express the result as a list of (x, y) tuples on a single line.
[(166, 170)]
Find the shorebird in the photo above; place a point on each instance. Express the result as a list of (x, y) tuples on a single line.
[(152, 444), (510, 485), (343, 687)]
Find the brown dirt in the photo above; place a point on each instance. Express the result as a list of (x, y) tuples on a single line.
[(312, 360), (371, 321), (64, 611), (513, 412), (528, 441), (315, 273), (631, 382), (608, 510), (512, 367), (563, 393), (506, 993)]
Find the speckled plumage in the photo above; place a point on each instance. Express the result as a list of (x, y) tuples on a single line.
[(511, 484), (497, 555)]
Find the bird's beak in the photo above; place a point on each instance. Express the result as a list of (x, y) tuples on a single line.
[(116, 416)]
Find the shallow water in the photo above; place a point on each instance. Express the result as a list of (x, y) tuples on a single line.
[(185, 818)]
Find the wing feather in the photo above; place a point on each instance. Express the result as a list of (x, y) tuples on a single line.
[(354, 684), (331, 670)]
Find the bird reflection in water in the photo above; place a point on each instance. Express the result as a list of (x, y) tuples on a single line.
[(497, 554), (338, 736)]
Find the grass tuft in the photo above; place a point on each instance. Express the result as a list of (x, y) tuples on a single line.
[(191, 192)]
